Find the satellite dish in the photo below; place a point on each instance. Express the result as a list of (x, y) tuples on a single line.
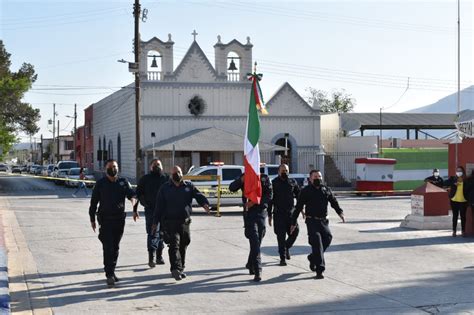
[(349, 124)]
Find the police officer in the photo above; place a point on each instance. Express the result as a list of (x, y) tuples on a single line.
[(173, 211), (254, 222), (147, 190), (281, 207), (110, 192), (435, 179), (315, 198)]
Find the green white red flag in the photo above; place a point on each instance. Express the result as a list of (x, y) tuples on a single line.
[(252, 184)]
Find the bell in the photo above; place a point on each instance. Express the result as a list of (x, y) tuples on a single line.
[(232, 66), (153, 63)]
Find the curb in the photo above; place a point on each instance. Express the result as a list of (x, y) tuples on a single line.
[(4, 292)]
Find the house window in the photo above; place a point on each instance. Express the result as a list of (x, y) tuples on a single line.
[(68, 145)]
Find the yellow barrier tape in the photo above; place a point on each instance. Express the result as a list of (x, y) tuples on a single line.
[(212, 191)]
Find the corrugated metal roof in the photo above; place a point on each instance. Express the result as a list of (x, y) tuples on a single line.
[(399, 120), (208, 139)]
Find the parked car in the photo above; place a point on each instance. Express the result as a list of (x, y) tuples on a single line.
[(39, 169), (16, 169), (24, 169), (60, 168), (3, 167), (61, 174), (73, 173), (32, 168), (47, 170)]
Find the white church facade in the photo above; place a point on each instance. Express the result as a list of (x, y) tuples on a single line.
[(196, 113)]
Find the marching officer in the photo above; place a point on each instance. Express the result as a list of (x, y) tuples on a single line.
[(110, 193), (173, 211), (281, 207), (254, 222), (147, 190), (315, 198)]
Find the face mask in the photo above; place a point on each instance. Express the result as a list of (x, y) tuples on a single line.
[(317, 182), (112, 172), (156, 169), (459, 174), (435, 174), (284, 176), (177, 178)]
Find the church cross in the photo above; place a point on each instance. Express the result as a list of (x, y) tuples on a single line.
[(194, 33)]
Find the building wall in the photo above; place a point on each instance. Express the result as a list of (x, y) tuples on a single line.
[(112, 116), (330, 130), (89, 155)]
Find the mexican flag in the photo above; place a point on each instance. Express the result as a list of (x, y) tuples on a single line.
[(252, 184)]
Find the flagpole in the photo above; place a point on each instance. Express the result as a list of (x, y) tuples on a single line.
[(459, 81)]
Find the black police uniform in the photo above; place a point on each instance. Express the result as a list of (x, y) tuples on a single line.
[(173, 211), (147, 190), (281, 208), (315, 200), (254, 222), (111, 217), (435, 180)]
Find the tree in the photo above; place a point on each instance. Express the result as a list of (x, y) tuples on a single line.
[(340, 102), (15, 115)]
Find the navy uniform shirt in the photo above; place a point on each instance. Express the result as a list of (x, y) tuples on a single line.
[(111, 198), (148, 187), (284, 194), (267, 192), (175, 202), (437, 181), (315, 201)]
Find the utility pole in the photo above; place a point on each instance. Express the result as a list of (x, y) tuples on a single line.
[(75, 126), (138, 157), (41, 152), (57, 148), (54, 131)]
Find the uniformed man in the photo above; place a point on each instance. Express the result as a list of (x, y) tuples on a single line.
[(254, 222), (280, 209), (147, 190), (315, 198), (173, 211), (435, 179), (110, 193)]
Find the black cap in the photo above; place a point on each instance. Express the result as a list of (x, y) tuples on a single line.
[(435, 170)]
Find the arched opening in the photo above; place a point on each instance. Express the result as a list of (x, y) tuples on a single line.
[(119, 150), (233, 66), (105, 156), (154, 65), (110, 150), (286, 155), (99, 157)]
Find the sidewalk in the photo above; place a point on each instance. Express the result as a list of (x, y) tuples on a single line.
[(4, 293)]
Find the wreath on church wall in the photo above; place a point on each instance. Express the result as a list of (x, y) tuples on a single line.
[(196, 106)]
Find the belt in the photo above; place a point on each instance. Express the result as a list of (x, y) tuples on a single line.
[(315, 218)]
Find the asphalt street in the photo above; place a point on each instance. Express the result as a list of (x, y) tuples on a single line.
[(373, 265)]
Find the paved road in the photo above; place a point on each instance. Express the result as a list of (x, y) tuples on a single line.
[(373, 265)]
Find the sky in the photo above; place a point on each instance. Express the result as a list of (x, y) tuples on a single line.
[(396, 55)]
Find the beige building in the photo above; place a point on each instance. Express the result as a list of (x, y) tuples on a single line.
[(202, 108)]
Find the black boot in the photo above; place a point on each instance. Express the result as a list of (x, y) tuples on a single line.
[(151, 263), (159, 258), (258, 276)]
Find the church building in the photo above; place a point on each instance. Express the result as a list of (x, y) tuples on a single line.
[(196, 113)]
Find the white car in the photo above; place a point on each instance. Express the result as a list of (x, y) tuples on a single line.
[(73, 174), (228, 174)]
